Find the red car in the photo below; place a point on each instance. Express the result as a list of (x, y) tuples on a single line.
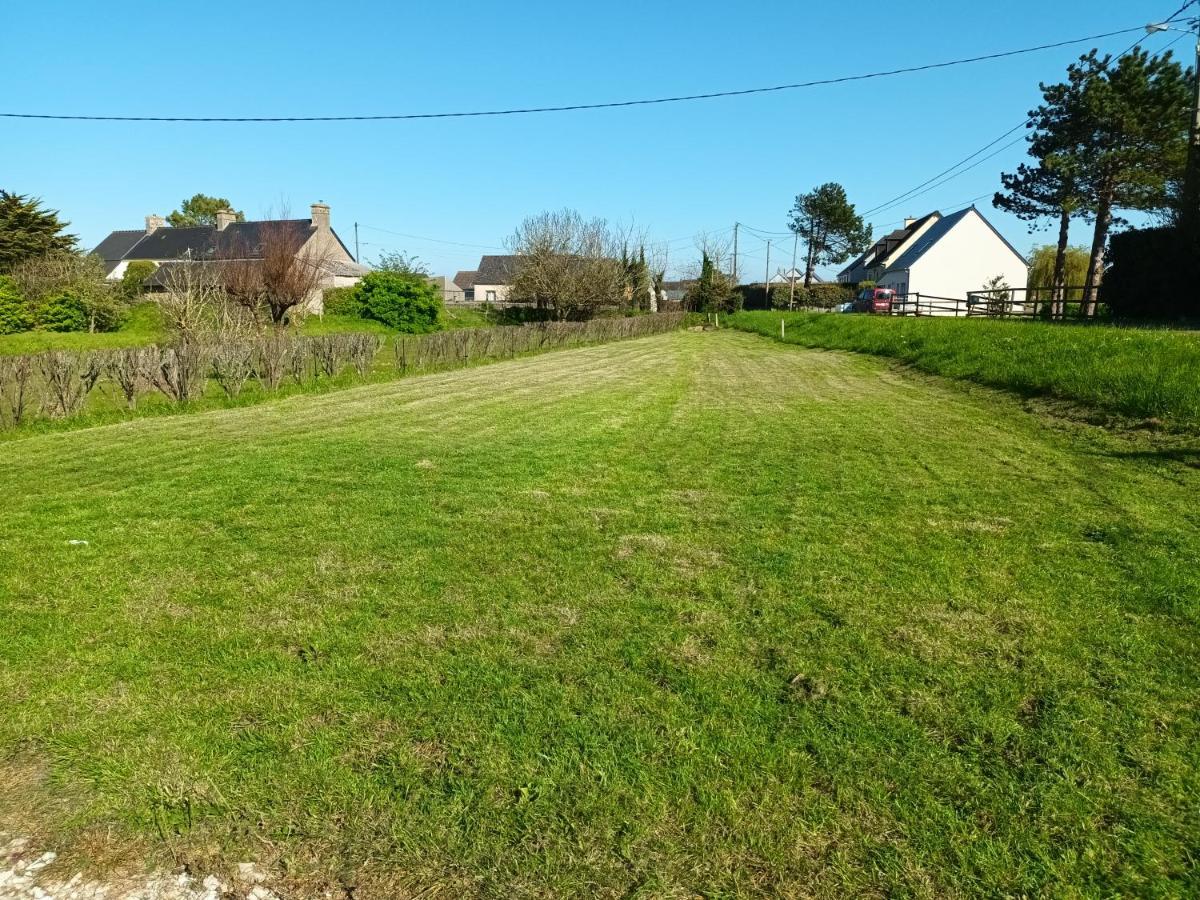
[(875, 300)]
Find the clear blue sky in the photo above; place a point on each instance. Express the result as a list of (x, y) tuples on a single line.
[(672, 170)]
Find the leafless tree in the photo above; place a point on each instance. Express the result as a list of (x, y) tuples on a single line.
[(277, 278), (180, 371), (233, 364), (194, 300), (275, 349), (130, 369), (69, 379), (16, 377), (363, 348), (301, 360), (568, 264), (328, 354), (718, 248)]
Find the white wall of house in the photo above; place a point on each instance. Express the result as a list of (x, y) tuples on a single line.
[(965, 257), (491, 293), (118, 271)]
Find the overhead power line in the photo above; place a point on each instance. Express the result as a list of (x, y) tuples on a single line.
[(949, 174), (581, 106), (417, 237)]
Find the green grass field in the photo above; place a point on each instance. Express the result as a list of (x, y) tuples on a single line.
[(1129, 372), (700, 614)]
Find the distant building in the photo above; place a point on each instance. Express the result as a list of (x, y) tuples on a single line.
[(451, 292), (785, 276), (225, 240), (465, 282), (674, 292), (493, 279)]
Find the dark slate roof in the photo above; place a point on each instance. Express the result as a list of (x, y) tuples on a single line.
[(201, 242), (240, 239), (496, 269), (878, 251), (465, 280), (939, 230), (114, 247)]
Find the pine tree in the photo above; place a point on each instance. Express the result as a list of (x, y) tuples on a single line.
[(1124, 127), (27, 230), (828, 226), (1036, 193)]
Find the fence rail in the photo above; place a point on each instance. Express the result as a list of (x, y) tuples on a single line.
[(1001, 303)]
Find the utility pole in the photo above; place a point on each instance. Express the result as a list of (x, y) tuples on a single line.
[(1190, 217), (735, 255), (767, 280), (356, 257), (792, 274)]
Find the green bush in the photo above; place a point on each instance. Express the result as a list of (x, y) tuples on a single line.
[(133, 281), (14, 311), (63, 312), (404, 301), (343, 301), (824, 296)]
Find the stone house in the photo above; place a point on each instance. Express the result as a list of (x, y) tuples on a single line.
[(229, 239)]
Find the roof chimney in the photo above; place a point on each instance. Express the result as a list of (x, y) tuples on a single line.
[(909, 223), (225, 218), (154, 222), (320, 216)]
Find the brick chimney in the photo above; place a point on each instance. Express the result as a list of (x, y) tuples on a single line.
[(320, 216), (225, 218), (154, 222)]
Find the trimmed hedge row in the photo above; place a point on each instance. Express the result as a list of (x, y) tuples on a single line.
[(57, 384)]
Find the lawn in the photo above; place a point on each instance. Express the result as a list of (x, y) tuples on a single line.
[(143, 326), (1126, 371), (700, 614)]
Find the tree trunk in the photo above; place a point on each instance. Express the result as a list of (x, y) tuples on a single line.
[(1058, 293), (808, 263), (1095, 271)]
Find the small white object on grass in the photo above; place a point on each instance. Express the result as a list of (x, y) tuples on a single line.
[(78, 543)]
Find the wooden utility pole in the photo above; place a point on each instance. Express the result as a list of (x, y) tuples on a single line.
[(792, 274), (1190, 214), (735, 235), (356, 256), (767, 280)]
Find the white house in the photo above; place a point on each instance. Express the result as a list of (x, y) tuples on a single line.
[(943, 257), (874, 262), (787, 276)]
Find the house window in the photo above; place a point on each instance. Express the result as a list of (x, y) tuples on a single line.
[(490, 296)]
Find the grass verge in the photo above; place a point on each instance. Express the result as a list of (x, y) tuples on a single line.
[(1135, 372), (696, 614), (144, 326)]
